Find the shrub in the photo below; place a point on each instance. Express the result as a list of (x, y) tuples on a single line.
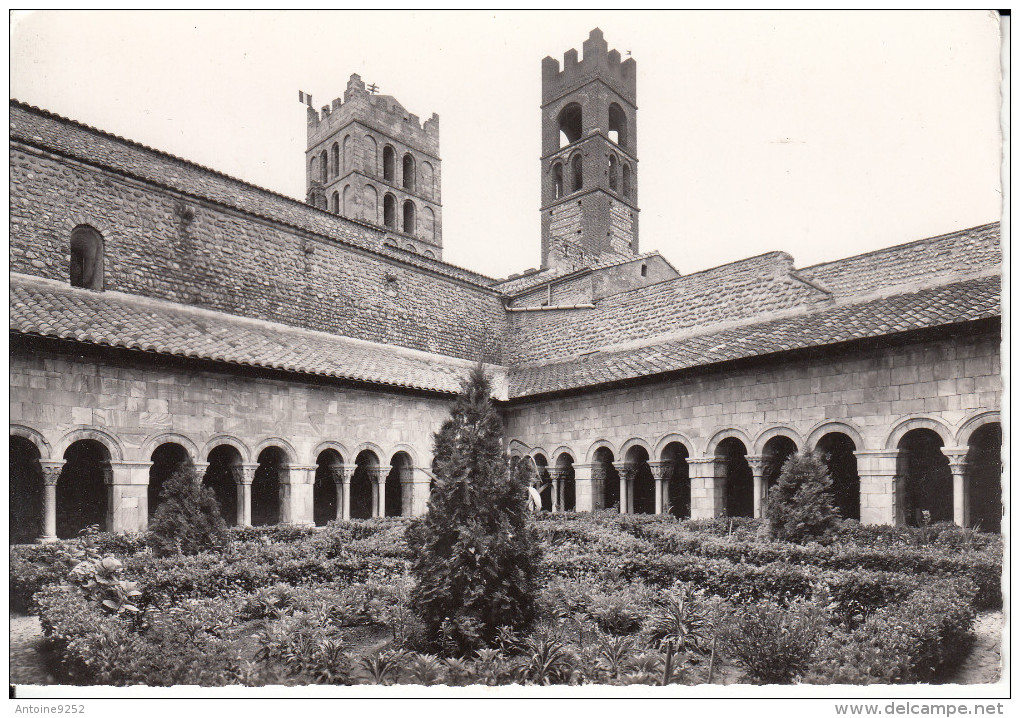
[(475, 552), (772, 644), (188, 518), (800, 505)]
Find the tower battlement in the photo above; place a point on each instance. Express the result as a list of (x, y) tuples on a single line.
[(383, 111), (598, 63)]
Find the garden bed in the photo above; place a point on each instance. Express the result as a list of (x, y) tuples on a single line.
[(296, 606)]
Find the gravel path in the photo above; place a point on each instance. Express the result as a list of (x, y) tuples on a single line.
[(984, 662), (27, 664)]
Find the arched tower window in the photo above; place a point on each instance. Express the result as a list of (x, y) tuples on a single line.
[(617, 125), (389, 164), (313, 168), (371, 160), (576, 173), (557, 179), (323, 166), (430, 224), (613, 171), (335, 159), (348, 204), (408, 169), (570, 124), (408, 217), (626, 181), (86, 258), (336, 203), (390, 211), (348, 156)]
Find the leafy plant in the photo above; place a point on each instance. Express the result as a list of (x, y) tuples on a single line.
[(547, 662), (188, 519), (773, 644), (677, 621), (475, 553), (800, 506)]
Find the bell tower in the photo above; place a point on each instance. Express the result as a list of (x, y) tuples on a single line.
[(589, 157)]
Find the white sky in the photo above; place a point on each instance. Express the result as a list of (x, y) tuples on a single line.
[(823, 134)]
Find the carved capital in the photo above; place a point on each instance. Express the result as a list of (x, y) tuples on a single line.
[(556, 473), (625, 469), (957, 458), (51, 471), (757, 464), (662, 469), (245, 473)]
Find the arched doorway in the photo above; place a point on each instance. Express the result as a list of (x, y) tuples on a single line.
[(678, 487), (739, 479), (398, 485), (363, 485), (984, 478), (643, 490), (166, 459), (925, 477), (774, 455), (837, 452), (81, 488), (568, 486), (222, 476), (27, 491), (265, 488), (329, 465), (605, 473)]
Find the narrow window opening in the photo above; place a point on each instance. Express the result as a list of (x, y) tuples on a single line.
[(644, 270), (570, 124), (557, 173), (613, 168), (408, 172), (408, 217), (390, 211), (86, 258), (389, 162), (576, 171), (617, 125)]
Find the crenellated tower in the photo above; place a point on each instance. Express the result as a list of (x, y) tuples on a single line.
[(589, 157), (370, 159)]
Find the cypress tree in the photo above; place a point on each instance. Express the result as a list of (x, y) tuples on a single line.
[(475, 554), (188, 518), (800, 507)]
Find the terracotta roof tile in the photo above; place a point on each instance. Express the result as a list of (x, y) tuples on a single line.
[(46, 308)]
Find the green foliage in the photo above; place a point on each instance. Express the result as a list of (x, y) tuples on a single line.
[(679, 623), (188, 519), (800, 506), (474, 552), (100, 580), (774, 644)]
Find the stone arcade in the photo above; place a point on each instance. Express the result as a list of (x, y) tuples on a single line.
[(299, 355)]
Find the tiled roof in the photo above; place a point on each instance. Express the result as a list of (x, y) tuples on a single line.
[(61, 135), (46, 308), (958, 253), (530, 280), (969, 300)]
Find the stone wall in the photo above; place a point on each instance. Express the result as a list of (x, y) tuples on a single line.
[(163, 244), (872, 396), (133, 407)]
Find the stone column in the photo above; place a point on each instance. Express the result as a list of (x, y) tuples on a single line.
[(345, 477), (708, 487), (626, 472), (961, 486), (127, 507), (51, 473), (296, 495), (761, 488), (407, 491), (556, 479), (585, 487), (337, 474), (880, 494), (200, 468), (421, 486), (244, 475), (377, 476), (662, 471)]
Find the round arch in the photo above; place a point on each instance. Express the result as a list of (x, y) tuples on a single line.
[(150, 444), (285, 446), (560, 451), (35, 437), (774, 431), (919, 422), (834, 427), (717, 437), (631, 443), (973, 423), (227, 440), (108, 440), (517, 447), (673, 438), (369, 446), (407, 449), (329, 444), (599, 444)]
